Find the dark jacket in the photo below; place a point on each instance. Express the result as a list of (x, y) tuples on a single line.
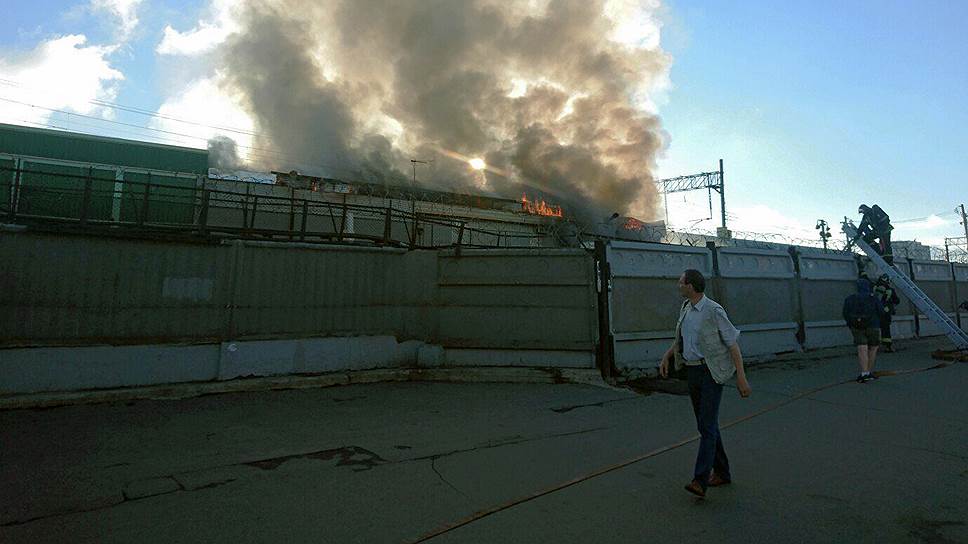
[(887, 295), (862, 309), (876, 220)]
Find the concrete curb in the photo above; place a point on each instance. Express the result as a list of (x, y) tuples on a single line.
[(196, 389)]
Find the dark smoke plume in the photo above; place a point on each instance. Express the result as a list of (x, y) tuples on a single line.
[(357, 88)]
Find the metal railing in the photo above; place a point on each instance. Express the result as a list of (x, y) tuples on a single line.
[(167, 204)]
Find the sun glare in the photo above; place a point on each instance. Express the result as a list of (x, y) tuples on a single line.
[(477, 164)]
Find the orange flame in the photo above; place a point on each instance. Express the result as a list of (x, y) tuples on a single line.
[(539, 207), (634, 224)]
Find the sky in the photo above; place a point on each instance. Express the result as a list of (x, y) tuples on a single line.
[(815, 107)]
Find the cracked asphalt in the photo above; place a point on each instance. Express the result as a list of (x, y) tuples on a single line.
[(813, 460)]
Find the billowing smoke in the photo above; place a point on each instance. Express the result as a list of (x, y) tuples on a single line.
[(356, 88), (223, 153)]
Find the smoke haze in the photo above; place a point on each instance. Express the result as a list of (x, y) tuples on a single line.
[(359, 87)]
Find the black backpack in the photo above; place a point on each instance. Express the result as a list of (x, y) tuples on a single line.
[(859, 310)]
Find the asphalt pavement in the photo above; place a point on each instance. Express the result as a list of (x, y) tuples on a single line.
[(815, 458)]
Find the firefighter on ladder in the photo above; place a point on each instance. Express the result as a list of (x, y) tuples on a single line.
[(876, 225)]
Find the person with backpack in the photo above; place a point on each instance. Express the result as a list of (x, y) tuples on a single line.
[(862, 312)]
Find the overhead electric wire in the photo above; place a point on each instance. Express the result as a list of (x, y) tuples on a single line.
[(141, 111), (258, 152)]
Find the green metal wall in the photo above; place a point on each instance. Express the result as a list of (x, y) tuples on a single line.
[(69, 146)]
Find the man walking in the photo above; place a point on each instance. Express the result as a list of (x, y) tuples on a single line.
[(861, 312), (705, 343)]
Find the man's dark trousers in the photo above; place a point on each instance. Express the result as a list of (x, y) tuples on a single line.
[(706, 394)]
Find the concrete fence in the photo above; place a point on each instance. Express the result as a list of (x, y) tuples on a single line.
[(83, 312), (80, 312)]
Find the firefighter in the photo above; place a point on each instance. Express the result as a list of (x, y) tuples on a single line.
[(876, 225), (889, 299)]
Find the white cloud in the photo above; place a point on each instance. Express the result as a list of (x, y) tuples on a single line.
[(200, 39), (61, 73), (125, 10), (206, 35), (207, 106), (636, 24)]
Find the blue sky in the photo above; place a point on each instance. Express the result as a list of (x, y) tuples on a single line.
[(815, 106), (818, 106)]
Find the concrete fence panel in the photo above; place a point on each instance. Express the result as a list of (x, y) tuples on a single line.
[(757, 287), (59, 290), (304, 290), (644, 301), (826, 279), (936, 280), (518, 307)]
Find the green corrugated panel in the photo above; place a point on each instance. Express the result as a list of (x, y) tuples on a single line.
[(170, 199), (17, 140), (58, 191)]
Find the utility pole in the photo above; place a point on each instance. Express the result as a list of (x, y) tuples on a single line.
[(722, 195), (964, 223), (711, 181), (824, 232), (415, 162)]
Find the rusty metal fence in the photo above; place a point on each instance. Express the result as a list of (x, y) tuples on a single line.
[(182, 203)]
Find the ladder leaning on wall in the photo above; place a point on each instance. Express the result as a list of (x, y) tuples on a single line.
[(911, 290)]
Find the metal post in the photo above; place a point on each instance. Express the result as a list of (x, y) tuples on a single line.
[(964, 223), (292, 211), (665, 204), (15, 191), (722, 192), (386, 227), (801, 319), (606, 340), (342, 221), (143, 217), (305, 213), (86, 201), (255, 203), (203, 213)]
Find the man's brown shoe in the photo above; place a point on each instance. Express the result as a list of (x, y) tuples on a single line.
[(695, 488), (715, 480)]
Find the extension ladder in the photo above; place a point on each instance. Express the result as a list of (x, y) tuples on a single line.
[(911, 290)]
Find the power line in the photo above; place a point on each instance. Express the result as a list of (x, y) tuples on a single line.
[(258, 152), (925, 218), (141, 111), (155, 114)]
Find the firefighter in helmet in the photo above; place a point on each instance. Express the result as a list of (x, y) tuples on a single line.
[(876, 225)]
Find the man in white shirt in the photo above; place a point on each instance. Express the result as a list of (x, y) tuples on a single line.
[(706, 345)]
